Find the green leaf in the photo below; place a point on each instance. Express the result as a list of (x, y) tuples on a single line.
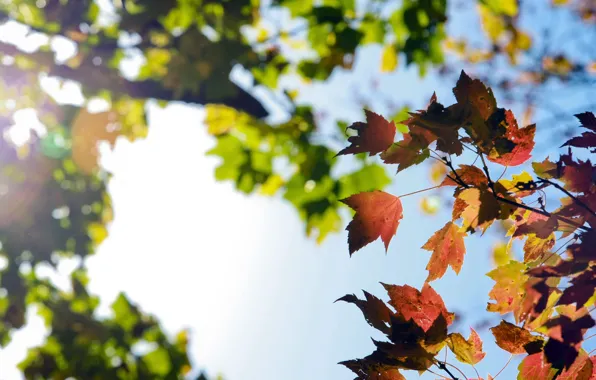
[(368, 178), (158, 361), (373, 29)]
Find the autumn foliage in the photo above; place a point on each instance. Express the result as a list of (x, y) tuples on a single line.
[(549, 295)]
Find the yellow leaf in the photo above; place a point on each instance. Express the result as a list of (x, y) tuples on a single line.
[(438, 171), (273, 183), (388, 59), (430, 205), (220, 119), (97, 232), (501, 254)]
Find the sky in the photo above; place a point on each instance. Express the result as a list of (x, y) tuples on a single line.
[(238, 271)]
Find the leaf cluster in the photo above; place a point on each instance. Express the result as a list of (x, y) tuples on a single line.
[(549, 294)]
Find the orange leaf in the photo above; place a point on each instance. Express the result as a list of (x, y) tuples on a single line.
[(512, 338), (469, 174), (374, 136), (377, 215), (447, 246), (422, 307)]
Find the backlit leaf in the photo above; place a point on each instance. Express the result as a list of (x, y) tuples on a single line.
[(374, 136), (447, 247), (534, 367), (422, 307), (466, 351), (377, 215), (511, 338)]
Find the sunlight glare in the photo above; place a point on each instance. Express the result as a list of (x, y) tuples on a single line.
[(25, 121)]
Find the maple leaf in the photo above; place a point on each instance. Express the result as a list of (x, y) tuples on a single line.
[(566, 335), (535, 367), (370, 368), (539, 225), (522, 185), (422, 307), (512, 338), (508, 290), (546, 169), (535, 247), (441, 123), (587, 139), (376, 313), (374, 136), (466, 351), (583, 251), (582, 369), (377, 215), (469, 174), (476, 94), (447, 246), (579, 176), (405, 153), (481, 209), (581, 290), (515, 146)]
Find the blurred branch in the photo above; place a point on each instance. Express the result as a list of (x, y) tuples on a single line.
[(96, 78)]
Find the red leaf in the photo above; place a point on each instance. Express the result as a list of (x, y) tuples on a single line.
[(421, 307), (377, 215), (447, 246), (515, 147), (512, 338), (534, 367), (582, 369), (374, 136)]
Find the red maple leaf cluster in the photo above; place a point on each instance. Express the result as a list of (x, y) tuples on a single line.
[(550, 293)]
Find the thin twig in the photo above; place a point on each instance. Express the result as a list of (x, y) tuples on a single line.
[(544, 213), (418, 191), (437, 374), (558, 249), (575, 199), (443, 367), (505, 366)]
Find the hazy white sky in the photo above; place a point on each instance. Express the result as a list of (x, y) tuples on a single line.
[(238, 271)]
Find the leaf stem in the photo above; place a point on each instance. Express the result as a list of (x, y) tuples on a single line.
[(505, 366), (418, 191)]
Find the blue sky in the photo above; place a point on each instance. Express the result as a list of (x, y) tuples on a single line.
[(255, 292)]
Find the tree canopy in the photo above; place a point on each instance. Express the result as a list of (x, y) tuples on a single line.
[(127, 53)]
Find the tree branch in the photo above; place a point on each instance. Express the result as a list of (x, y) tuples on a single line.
[(575, 199), (443, 367), (95, 79)]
